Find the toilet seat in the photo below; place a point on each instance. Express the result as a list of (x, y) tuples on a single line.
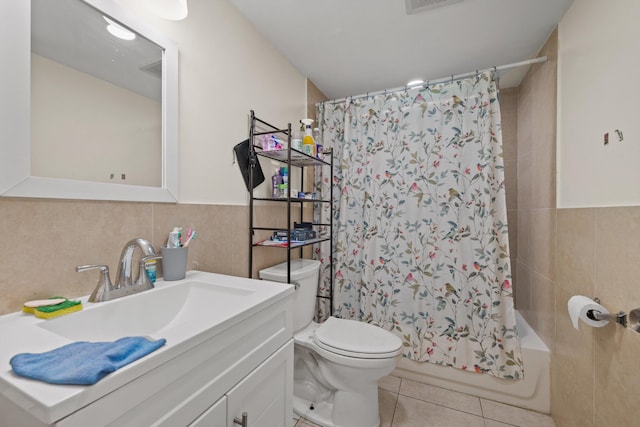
[(356, 339)]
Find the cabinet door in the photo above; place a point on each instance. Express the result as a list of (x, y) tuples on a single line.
[(266, 394), (215, 416)]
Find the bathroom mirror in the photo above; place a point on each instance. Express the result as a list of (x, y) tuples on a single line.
[(93, 103)]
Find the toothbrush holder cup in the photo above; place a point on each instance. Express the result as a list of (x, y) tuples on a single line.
[(174, 263)]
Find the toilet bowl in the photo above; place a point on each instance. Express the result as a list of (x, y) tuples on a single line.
[(337, 367), (337, 364)]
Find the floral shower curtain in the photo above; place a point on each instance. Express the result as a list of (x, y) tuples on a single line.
[(421, 243)]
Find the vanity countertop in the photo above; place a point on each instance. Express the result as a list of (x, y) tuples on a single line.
[(185, 312)]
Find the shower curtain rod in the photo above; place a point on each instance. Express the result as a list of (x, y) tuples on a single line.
[(440, 80)]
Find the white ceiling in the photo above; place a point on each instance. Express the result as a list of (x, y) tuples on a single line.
[(350, 47)]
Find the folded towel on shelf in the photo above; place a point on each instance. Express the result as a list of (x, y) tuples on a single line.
[(82, 363)]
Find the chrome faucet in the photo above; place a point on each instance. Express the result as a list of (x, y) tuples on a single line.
[(125, 273), (106, 291)]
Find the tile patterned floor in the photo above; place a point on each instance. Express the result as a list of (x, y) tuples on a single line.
[(405, 403)]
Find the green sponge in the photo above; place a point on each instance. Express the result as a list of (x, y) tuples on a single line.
[(61, 309), (55, 310)]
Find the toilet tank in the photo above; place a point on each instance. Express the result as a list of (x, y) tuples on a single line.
[(304, 274)]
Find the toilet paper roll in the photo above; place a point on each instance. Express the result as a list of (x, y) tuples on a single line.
[(580, 305)]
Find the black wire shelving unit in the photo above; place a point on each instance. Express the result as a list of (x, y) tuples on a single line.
[(291, 158)]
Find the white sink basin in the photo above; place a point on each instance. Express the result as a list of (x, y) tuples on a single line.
[(188, 308), (186, 313)]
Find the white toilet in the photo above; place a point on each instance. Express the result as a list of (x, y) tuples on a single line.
[(337, 363)]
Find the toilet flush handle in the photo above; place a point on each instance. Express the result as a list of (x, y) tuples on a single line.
[(296, 285), (242, 422)]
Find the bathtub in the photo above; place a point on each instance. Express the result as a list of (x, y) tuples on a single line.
[(532, 392)]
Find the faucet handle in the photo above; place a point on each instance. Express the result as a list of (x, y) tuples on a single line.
[(104, 286), (142, 278)]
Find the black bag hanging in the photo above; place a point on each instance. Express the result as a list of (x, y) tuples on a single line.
[(245, 160)]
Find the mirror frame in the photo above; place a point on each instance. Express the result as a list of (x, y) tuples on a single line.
[(15, 114)]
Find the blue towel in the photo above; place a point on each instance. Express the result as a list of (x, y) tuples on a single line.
[(82, 363)]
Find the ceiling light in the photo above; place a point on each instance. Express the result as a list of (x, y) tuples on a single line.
[(174, 10), (415, 82), (118, 30)]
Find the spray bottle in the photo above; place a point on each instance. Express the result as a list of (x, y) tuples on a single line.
[(308, 144)]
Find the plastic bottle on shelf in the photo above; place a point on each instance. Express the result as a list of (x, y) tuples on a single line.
[(276, 180), (282, 143), (308, 144), (284, 190), (296, 140), (284, 187), (318, 140)]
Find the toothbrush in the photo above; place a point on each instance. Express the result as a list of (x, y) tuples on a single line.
[(185, 237), (190, 236)]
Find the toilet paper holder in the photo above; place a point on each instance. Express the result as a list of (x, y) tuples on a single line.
[(634, 319), (619, 317)]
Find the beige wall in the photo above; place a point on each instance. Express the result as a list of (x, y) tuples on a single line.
[(314, 95), (73, 133), (594, 370), (598, 67), (564, 252), (595, 380)]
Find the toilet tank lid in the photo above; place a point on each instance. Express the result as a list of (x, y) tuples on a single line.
[(300, 268), (357, 337)]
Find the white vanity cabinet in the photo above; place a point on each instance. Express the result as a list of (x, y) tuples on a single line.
[(245, 365), (264, 396), (267, 394), (242, 363), (216, 416)]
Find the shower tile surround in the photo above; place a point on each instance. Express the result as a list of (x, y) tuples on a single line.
[(555, 253), (536, 210)]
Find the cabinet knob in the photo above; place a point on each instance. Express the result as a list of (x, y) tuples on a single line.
[(242, 422)]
